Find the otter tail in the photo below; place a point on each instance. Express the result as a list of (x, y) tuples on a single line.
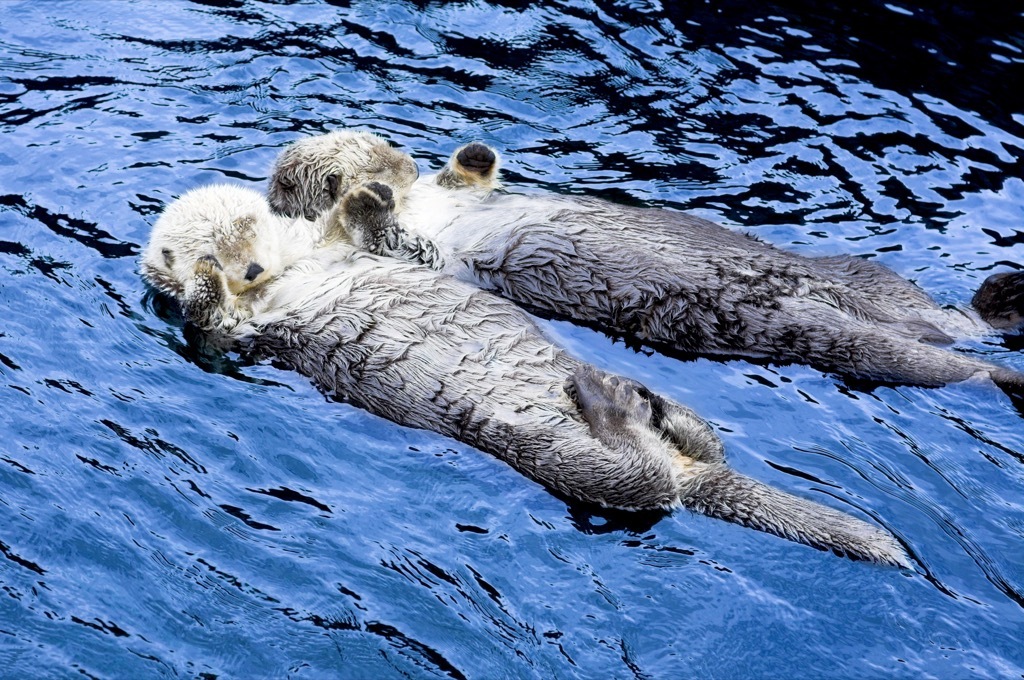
[(726, 494), (665, 436), (1000, 300)]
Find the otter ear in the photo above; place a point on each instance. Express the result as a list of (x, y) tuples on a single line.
[(332, 186), (168, 257)]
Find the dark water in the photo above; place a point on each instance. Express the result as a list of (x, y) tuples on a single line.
[(170, 513)]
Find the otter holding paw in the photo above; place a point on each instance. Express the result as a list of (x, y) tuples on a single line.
[(672, 279), (427, 351), (308, 182)]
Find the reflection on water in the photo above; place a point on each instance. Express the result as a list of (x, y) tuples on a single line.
[(171, 511)]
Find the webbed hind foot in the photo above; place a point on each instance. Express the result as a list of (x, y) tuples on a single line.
[(473, 165), (690, 433), (612, 405), (476, 158), (1000, 300)]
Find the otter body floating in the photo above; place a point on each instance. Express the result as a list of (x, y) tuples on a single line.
[(427, 351), (665, 277)]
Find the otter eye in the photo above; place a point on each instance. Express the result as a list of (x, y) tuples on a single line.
[(253, 271), (332, 186)]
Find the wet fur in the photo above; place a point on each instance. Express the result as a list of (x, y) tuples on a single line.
[(309, 181), (675, 280), (427, 351)]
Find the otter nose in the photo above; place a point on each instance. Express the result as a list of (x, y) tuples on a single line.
[(253, 271)]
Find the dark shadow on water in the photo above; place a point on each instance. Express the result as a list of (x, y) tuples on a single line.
[(165, 307), (208, 353), (87, 233), (594, 520)]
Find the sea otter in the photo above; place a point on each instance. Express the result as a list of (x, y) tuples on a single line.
[(664, 277), (425, 350), (346, 158)]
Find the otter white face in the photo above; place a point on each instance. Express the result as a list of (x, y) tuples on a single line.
[(230, 223), (310, 175)]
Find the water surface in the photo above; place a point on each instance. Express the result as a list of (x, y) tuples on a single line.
[(168, 512)]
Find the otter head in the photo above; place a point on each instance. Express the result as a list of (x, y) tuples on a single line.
[(230, 224), (310, 175)]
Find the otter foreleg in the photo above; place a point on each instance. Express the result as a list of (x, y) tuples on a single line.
[(206, 299), (366, 214)]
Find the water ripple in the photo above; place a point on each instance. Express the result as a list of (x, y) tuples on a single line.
[(159, 497)]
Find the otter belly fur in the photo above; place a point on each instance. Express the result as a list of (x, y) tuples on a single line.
[(425, 350), (672, 279)]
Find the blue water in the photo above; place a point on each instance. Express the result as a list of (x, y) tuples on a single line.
[(169, 512)]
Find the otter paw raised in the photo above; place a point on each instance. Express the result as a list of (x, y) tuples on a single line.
[(368, 200), (476, 158), (205, 292), (367, 213)]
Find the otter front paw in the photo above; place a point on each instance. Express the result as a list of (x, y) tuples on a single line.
[(368, 201), (367, 212), (206, 293)]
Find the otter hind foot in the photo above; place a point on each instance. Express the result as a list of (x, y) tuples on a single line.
[(476, 158), (611, 404), (691, 434), (1000, 300), (473, 165)]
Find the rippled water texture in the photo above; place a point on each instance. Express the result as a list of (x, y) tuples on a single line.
[(167, 512)]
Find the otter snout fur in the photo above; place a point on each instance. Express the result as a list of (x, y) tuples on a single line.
[(425, 350), (674, 280)]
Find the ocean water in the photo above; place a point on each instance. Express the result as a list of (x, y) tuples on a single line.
[(168, 512)]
